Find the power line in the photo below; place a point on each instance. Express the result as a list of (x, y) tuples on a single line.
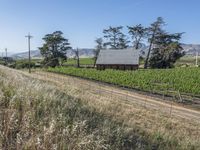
[(29, 51)]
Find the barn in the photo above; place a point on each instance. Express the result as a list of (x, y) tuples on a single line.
[(121, 59)]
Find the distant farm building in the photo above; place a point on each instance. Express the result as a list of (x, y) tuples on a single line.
[(7, 59), (123, 59)]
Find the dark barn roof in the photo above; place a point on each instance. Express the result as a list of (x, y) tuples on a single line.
[(118, 57)]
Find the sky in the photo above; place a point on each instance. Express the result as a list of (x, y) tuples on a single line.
[(82, 21)]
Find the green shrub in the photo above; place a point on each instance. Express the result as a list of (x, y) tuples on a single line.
[(22, 64)]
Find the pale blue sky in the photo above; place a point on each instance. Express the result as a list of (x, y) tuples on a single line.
[(83, 20)]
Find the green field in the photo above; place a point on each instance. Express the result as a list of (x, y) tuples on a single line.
[(87, 61), (184, 61), (187, 61), (185, 80), (83, 61)]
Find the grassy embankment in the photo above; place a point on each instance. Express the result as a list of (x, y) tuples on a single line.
[(36, 114)]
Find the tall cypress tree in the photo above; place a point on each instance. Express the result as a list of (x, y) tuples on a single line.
[(153, 31), (98, 47), (167, 50)]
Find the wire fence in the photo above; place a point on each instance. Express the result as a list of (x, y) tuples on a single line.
[(169, 108)]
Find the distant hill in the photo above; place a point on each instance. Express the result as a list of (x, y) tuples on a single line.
[(24, 55), (190, 49), (84, 53)]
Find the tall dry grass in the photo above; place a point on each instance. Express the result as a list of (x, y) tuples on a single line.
[(44, 114)]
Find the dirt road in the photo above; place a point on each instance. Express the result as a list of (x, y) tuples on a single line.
[(148, 102)]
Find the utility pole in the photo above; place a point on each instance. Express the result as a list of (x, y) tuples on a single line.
[(77, 57), (29, 51), (6, 59), (197, 54)]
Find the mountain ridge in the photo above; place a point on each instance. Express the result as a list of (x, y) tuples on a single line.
[(190, 49)]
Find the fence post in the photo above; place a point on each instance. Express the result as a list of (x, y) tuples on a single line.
[(163, 95), (37, 75), (145, 102), (111, 92), (73, 80), (127, 95), (171, 108), (62, 79), (82, 87), (198, 126), (180, 96), (67, 81), (89, 86), (99, 90)]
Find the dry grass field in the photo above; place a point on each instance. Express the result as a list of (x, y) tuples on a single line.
[(39, 112)]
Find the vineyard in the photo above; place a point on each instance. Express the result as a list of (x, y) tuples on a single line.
[(183, 80)]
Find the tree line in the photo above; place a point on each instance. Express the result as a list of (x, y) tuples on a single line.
[(163, 48)]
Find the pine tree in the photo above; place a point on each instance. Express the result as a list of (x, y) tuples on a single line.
[(54, 48), (115, 39), (99, 46), (167, 50), (154, 30), (137, 33)]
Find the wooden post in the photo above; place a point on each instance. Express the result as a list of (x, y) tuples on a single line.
[(180, 96), (145, 102), (127, 95), (111, 92), (29, 52), (171, 109)]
